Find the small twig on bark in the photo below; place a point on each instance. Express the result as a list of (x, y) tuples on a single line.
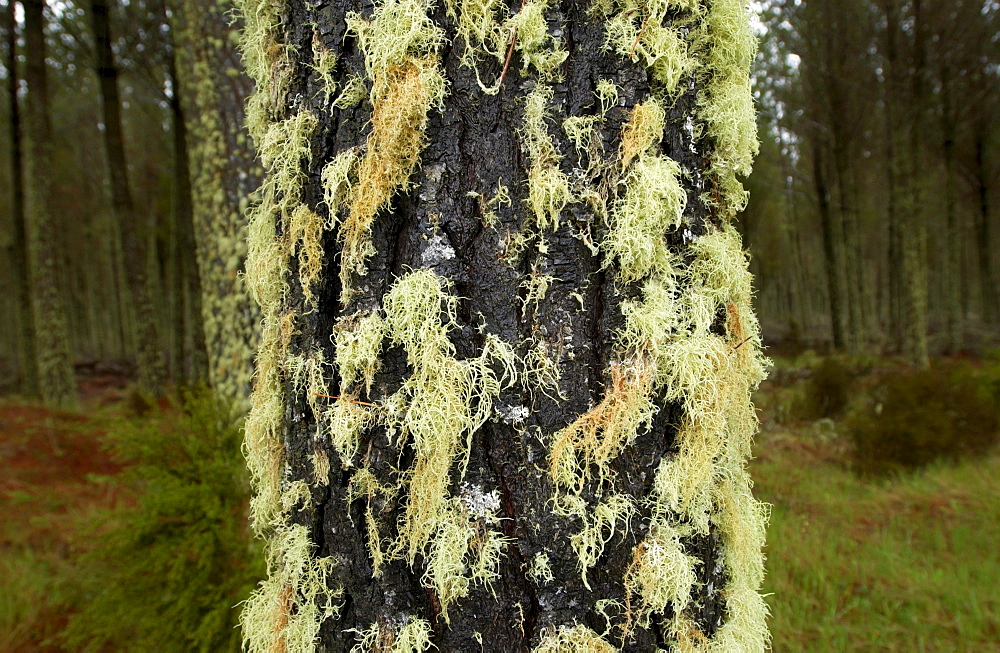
[(638, 36)]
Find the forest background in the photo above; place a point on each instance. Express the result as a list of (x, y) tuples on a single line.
[(872, 228)]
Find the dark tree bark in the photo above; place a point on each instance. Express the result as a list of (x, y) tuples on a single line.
[(149, 350), (189, 356), (19, 243), (56, 381), (446, 283)]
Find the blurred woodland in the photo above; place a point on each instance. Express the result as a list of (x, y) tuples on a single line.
[(872, 221), (873, 225)]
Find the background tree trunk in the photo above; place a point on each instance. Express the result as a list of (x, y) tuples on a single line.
[(190, 355), (19, 243), (212, 90), (56, 381), (149, 351), (536, 435)]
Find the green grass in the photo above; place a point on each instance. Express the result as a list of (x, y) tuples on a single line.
[(906, 564)]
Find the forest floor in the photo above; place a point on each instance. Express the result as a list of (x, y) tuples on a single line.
[(904, 563), (50, 460), (854, 564)]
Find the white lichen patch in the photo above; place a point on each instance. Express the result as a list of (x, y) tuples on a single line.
[(438, 250)]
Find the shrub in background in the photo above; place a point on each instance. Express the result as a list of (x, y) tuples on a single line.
[(916, 417), (828, 389), (164, 572)]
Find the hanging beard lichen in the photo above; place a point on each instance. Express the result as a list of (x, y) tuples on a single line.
[(400, 44), (685, 333)]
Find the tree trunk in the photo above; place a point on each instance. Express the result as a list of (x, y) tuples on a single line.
[(212, 90), (19, 242), (149, 352), (190, 355), (984, 234), (832, 256), (502, 396), (56, 381), (955, 234)]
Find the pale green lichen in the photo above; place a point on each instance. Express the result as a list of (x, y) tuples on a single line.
[(346, 419), (353, 94), (443, 400), (540, 570), (358, 343), (400, 45), (726, 44), (607, 94), (287, 610), (644, 130), (573, 639), (661, 574), (548, 186), (364, 484), (650, 33), (338, 177), (413, 637), (305, 235), (325, 64), (488, 208), (536, 287), (600, 524), (538, 47)]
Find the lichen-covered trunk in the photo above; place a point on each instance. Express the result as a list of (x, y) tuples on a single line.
[(212, 90), (149, 351), (56, 382), (502, 400), (18, 246)]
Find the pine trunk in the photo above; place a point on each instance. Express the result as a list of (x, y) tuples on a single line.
[(149, 351), (56, 382), (502, 397), (19, 242)]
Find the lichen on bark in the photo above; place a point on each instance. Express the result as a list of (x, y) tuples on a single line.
[(508, 345)]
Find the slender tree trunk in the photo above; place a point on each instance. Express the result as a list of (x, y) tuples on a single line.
[(954, 313), (19, 242), (915, 235), (984, 234), (56, 381), (149, 352), (831, 253), (188, 331), (502, 397)]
